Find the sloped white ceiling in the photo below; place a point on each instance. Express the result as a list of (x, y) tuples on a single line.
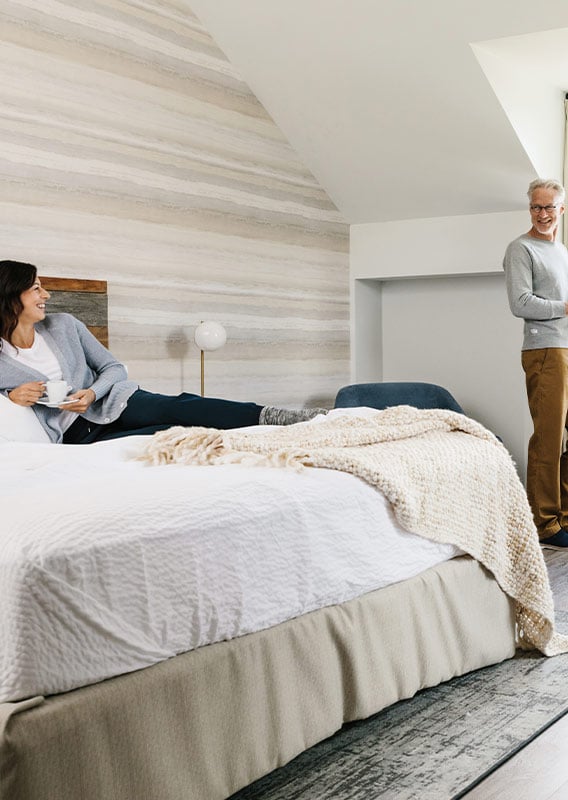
[(529, 75), (387, 103)]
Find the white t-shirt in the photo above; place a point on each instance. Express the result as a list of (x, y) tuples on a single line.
[(41, 358)]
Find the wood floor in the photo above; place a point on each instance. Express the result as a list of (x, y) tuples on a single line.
[(540, 770)]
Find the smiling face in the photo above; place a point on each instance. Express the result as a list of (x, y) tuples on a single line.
[(545, 209), (33, 302)]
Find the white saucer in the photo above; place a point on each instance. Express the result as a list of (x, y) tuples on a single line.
[(44, 401)]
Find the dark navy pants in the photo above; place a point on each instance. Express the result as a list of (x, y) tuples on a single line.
[(147, 412)]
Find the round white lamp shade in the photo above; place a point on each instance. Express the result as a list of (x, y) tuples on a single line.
[(210, 336)]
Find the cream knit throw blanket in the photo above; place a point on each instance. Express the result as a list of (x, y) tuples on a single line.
[(447, 477)]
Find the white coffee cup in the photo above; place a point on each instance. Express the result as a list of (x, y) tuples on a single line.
[(57, 391)]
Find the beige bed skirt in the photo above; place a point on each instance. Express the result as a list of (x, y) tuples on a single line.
[(206, 723)]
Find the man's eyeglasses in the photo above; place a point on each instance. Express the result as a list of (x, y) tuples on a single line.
[(538, 209)]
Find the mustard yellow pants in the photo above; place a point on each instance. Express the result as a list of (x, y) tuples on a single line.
[(546, 373)]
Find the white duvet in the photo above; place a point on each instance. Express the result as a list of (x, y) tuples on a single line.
[(108, 565)]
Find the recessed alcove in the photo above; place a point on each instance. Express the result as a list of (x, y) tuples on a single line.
[(454, 330)]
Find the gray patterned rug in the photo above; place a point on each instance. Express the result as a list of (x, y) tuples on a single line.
[(438, 744)]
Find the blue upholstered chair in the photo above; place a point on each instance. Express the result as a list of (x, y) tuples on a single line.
[(399, 393)]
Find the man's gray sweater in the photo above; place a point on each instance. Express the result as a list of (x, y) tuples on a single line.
[(536, 271)]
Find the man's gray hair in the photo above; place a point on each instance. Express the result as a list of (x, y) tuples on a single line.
[(547, 183)]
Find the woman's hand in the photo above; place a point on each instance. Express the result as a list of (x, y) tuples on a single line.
[(27, 393), (82, 398)]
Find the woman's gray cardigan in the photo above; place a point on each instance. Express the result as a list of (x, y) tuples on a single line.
[(85, 364)]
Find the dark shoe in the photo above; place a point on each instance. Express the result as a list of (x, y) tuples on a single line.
[(557, 542), (286, 416)]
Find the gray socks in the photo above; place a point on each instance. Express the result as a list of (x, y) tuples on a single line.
[(270, 415)]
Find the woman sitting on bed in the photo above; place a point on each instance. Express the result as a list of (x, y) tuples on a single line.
[(35, 348)]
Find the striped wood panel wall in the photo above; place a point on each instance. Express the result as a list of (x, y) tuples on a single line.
[(132, 151)]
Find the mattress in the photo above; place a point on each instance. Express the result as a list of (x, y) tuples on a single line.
[(108, 565), (208, 722)]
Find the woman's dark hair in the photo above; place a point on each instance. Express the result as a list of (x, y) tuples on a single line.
[(15, 278)]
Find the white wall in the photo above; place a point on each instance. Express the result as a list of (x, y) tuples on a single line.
[(429, 304), (468, 244)]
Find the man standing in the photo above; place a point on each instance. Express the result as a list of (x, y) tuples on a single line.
[(536, 269)]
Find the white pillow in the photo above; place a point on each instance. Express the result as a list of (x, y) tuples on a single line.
[(19, 423)]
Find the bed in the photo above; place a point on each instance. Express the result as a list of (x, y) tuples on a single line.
[(204, 723), (178, 632)]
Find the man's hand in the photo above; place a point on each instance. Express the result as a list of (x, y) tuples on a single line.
[(27, 393)]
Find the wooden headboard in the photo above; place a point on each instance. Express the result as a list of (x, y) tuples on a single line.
[(85, 299)]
